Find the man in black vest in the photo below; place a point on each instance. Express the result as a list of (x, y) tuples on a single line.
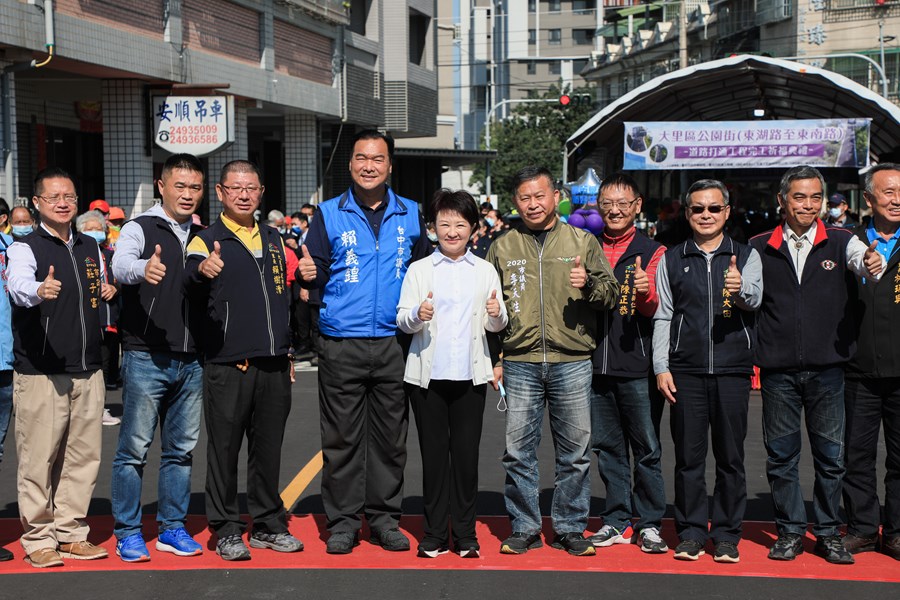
[(54, 284), (708, 288), (161, 367), (625, 410), (806, 334), (238, 266), (872, 393)]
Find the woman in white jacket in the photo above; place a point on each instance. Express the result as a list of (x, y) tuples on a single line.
[(449, 301)]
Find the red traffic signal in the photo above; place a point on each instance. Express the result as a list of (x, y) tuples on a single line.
[(565, 100), (879, 2)]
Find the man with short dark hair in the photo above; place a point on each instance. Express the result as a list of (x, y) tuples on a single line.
[(554, 278), (357, 251), (162, 374), (872, 392), (806, 333), (54, 284)]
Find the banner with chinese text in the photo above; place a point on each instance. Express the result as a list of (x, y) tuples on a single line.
[(746, 144), (197, 125)]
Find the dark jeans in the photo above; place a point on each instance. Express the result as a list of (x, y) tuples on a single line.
[(449, 415), (255, 403), (364, 418), (820, 394), (717, 405), (871, 403), (6, 405), (625, 413)]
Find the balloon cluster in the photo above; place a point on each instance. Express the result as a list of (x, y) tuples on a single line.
[(588, 219)]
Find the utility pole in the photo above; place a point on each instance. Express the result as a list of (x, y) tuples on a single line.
[(682, 36)]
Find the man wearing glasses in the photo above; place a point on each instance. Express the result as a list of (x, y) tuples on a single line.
[(806, 335), (708, 288), (237, 268), (625, 409), (54, 285), (161, 366)]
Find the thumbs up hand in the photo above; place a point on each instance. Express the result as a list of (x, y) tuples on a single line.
[(872, 259), (213, 265), (578, 275), (49, 290), (641, 280), (155, 270), (733, 277), (426, 309), (307, 265), (493, 305)]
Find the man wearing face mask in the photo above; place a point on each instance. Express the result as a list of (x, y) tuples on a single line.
[(838, 214), (22, 221)]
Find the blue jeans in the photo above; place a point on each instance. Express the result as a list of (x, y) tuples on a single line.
[(623, 416), (6, 404), (820, 394), (163, 388), (565, 388)]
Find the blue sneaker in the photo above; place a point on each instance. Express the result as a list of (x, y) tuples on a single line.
[(179, 542), (133, 549)]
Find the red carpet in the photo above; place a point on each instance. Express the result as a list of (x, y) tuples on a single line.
[(869, 566)]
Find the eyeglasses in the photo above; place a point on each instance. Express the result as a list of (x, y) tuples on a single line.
[(622, 205), (234, 190), (54, 200), (712, 208)]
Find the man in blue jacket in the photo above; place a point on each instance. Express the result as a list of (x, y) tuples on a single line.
[(6, 360), (357, 251)]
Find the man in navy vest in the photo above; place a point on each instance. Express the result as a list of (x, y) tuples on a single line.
[(163, 376), (872, 391), (625, 409), (54, 285), (357, 251), (806, 334), (708, 288)]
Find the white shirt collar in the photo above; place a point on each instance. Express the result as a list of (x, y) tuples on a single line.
[(438, 257), (809, 236)]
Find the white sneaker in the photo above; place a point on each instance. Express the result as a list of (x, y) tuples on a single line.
[(108, 419)]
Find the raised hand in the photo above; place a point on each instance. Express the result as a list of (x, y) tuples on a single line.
[(155, 270), (493, 305), (733, 277), (426, 309), (213, 265), (49, 290), (872, 259), (307, 265), (641, 281), (578, 275)]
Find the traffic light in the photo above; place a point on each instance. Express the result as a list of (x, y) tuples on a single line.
[(566, 100), (879, 2)]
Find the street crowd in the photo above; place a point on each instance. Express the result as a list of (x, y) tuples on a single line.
[(602, 331)]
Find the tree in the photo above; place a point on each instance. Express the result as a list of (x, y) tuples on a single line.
[(534, 134)]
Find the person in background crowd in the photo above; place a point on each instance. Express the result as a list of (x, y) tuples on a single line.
[(554, 278), (238, 268), (709, 287), (872, 392), (449, 301), (161, 366), (93, 224), (115, 220), (275, 219), (838, 213), (481, 241), (22, 222), (357, 252), (806, 333), (625, 409), (54, 284), (495, 223), (4, 217), (100, 206), (6, 359)]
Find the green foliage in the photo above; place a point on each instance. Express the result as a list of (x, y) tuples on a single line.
[(534, 134)]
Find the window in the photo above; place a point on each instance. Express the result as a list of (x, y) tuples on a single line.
[(532, 37), (578, 65), (555, 5), (532, 67), (555, 67), (555, 36), (532, 5), (583, 6), (418, 35), (583, 36)]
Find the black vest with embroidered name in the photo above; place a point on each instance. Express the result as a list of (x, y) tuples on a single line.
[(61, 335)]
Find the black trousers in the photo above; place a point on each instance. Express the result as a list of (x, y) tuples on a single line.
[(109, 355), (255, 403), (707, 404), (448, 416), (364, 419), (869, 404), (306, 316)]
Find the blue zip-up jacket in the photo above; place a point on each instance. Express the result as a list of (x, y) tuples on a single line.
[(6, 336), (359, 298)]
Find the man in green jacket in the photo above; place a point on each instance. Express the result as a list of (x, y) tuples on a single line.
[(554, 278)]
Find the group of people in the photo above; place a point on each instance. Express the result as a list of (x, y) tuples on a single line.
[(603, 331)]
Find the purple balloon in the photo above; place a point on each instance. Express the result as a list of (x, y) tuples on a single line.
[(576, 219), (594, 223)]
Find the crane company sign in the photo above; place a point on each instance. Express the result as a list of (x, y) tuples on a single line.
[(197, 125), (746, 144)]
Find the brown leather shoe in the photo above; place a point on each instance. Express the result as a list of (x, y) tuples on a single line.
[(891, 547), (44, 557), (83, 550), (854, 544)]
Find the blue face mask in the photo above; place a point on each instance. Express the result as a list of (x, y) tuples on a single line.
[(490, 222), (296, 230), (22, 230), (835, 213), (97, 235)]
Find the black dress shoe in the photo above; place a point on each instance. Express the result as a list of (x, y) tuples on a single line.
[(5, 555), (854, 544)]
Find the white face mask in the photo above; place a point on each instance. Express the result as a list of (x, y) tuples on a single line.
[(834, 213)]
